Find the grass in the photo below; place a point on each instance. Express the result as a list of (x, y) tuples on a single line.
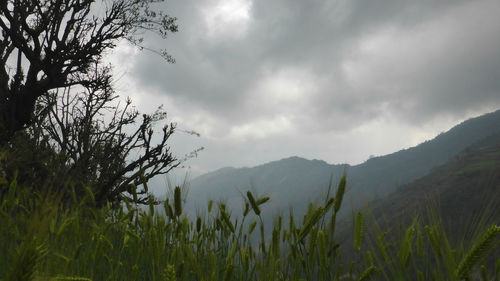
[(42, 240)]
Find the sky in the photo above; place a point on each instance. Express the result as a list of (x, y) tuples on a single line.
[(333, 80)]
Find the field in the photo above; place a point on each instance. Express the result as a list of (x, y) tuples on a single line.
[(43, 239)]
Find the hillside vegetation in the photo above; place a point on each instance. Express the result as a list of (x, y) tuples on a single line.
[(465, 186), (462, 195), (295, 181)]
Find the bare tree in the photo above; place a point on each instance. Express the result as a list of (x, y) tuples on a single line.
[(54, 44), (106, 146)]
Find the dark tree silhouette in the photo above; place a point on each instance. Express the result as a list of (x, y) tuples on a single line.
[(49, 45), (87, 139), (105, 146), (61, 125)]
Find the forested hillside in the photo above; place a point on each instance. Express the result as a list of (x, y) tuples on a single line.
[(293, 182), (464, 189)]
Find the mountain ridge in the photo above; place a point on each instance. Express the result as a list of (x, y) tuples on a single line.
[(294, 180)]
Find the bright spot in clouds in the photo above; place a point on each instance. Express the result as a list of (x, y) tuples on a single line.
[(227, 17), (290, 85)]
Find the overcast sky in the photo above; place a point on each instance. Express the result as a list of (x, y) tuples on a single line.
[(320, 79)]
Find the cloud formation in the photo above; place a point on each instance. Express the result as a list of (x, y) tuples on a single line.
[(335, 80)]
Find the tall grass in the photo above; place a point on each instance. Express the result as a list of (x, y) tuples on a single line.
[(40, 239)]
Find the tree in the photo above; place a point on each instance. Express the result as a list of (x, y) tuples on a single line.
[(55, 44), (60, 122), (84, 138), (102, 145)]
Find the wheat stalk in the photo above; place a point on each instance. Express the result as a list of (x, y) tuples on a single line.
[(477, 252)]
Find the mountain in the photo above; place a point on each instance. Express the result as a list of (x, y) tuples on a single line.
[(463, 194), (282, 180), (464, 189), (294, 182), (383, 174)]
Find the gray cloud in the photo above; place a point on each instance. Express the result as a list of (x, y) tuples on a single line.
[(273, 70)]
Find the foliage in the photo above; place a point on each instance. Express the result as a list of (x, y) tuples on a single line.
[(56, 44), (129, 243), (86, 139), (59, 123)]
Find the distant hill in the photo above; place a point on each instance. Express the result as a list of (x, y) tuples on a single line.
[(284, 181), (382, 175), (294, 182), (464, 189), (463, 193)]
